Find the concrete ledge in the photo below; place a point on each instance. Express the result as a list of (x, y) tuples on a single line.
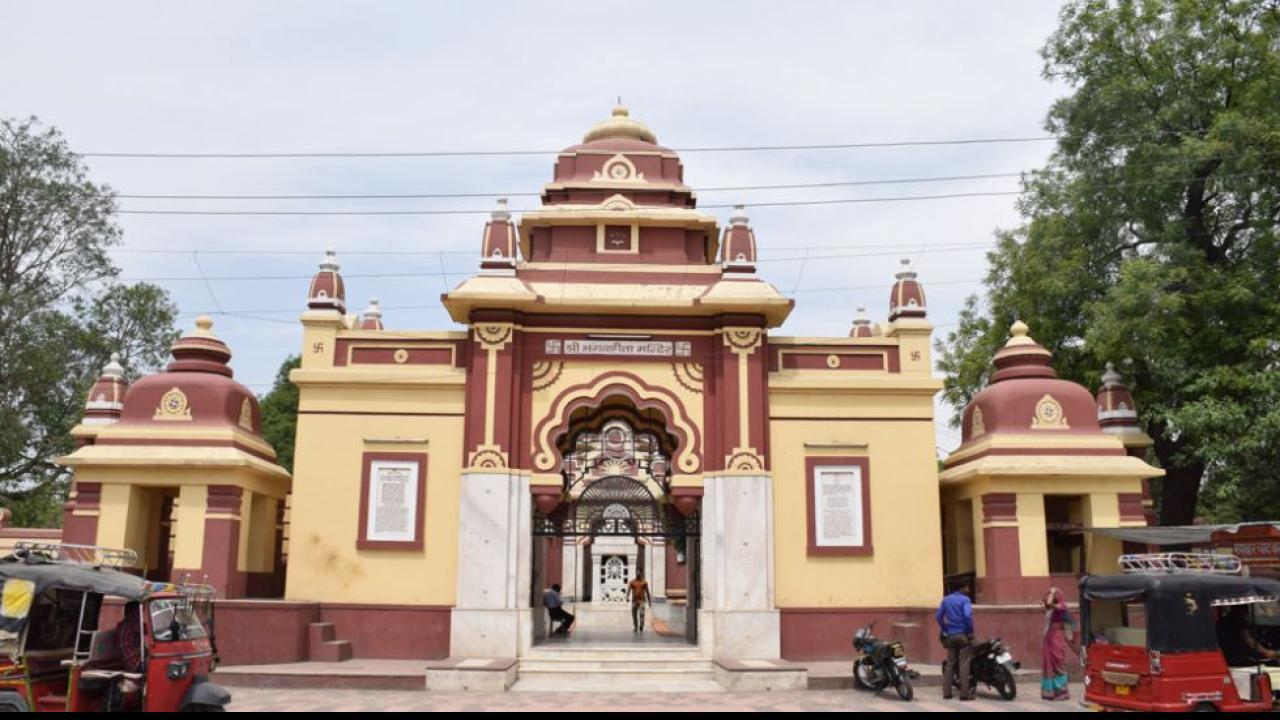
[(472, 674), (761, 675), (358, 674)]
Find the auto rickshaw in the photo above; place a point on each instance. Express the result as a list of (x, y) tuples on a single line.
[(1152, 636), (56, 657)]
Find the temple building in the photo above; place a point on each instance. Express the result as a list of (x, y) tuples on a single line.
[(615, 401)]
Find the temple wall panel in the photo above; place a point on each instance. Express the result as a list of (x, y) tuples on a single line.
[(324, 560), (904, 513)]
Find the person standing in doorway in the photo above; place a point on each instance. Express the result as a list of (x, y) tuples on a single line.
[(554, 604), (955, 620), (638, 593)]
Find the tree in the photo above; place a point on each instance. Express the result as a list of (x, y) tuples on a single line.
[(280, 413), (61, 313), (1151, 238)]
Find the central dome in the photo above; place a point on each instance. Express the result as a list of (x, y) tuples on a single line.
[(620, 125)]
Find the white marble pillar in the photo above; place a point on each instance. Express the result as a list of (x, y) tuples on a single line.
[(656, 567), (494, 566), (737, 568), (570, 568)]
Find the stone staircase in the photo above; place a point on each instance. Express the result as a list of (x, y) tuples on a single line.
[(616, 669), (323, 645)]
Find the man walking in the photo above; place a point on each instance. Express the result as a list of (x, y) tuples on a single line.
[(955, 619), (554, 604), (638, 593)]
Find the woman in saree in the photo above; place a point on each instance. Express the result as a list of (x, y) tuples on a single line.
[(1059, 628)]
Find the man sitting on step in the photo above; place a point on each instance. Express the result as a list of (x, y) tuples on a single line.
[(554, 604)]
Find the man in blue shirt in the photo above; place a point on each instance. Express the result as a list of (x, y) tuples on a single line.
[(554, 604), (955, 619)]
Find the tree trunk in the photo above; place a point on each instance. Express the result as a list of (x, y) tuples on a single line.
[(1179, 490)]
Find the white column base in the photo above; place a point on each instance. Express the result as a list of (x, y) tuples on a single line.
[(475, 633), (741, 634)]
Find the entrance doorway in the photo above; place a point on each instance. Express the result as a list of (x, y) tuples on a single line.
[(615, 522)]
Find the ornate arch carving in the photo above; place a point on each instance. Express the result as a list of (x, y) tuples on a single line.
[(688, 455)]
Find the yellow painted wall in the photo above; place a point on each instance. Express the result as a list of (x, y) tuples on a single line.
[(1033, 543), (188, 546), (906, 565), (324, 563)]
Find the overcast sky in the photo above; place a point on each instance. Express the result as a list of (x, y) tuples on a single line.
[(419, 76)]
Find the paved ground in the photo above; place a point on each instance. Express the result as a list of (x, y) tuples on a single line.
[(927, 700)]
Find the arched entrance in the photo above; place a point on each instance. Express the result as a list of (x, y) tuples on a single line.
[(616, 518)]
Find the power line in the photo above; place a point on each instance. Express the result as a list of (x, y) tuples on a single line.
[(702, 149), (474, 253), (714, 188), (437, 195), (517, 153), (776, 203), (552, 208), (447, 274)]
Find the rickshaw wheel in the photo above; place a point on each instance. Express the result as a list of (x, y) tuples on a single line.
[(1205, 707)]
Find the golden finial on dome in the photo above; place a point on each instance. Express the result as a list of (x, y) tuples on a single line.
[(1018, 335), (204, 326)]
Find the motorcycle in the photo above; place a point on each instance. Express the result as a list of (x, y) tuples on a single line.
[(994, 666), (881, 664)]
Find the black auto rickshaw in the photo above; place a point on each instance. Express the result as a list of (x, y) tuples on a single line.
[(57, 656), (1152, 638)]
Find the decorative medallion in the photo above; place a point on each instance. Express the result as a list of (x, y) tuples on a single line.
[(401, 356), (742, 340), (1049, 415), (976, 426), (744, 460), (618, 168), (689, 375), (487, 457), (173, 406), (246, 415), (833, 361), (546, 373), (493, 336)]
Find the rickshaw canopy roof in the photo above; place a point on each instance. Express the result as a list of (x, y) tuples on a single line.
[(1179, 607), (1173, 587), (84, 578)]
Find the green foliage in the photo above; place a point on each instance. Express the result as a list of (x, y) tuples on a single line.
[(280, 413), (1150, 239), (61, 314)]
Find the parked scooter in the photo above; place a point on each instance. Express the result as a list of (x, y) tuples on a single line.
[(994, 666), (881, 664)]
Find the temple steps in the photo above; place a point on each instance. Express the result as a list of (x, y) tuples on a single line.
[(623, 669), (323, 646)]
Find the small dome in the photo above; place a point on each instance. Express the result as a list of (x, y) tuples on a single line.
[(1025, 394), (372, 317), (1116, 408), (328, 292), (861, 325), (498, 247), (196, 388), (200, 351), (620, 125), (105, 403), (906, 299), (738, 249)]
